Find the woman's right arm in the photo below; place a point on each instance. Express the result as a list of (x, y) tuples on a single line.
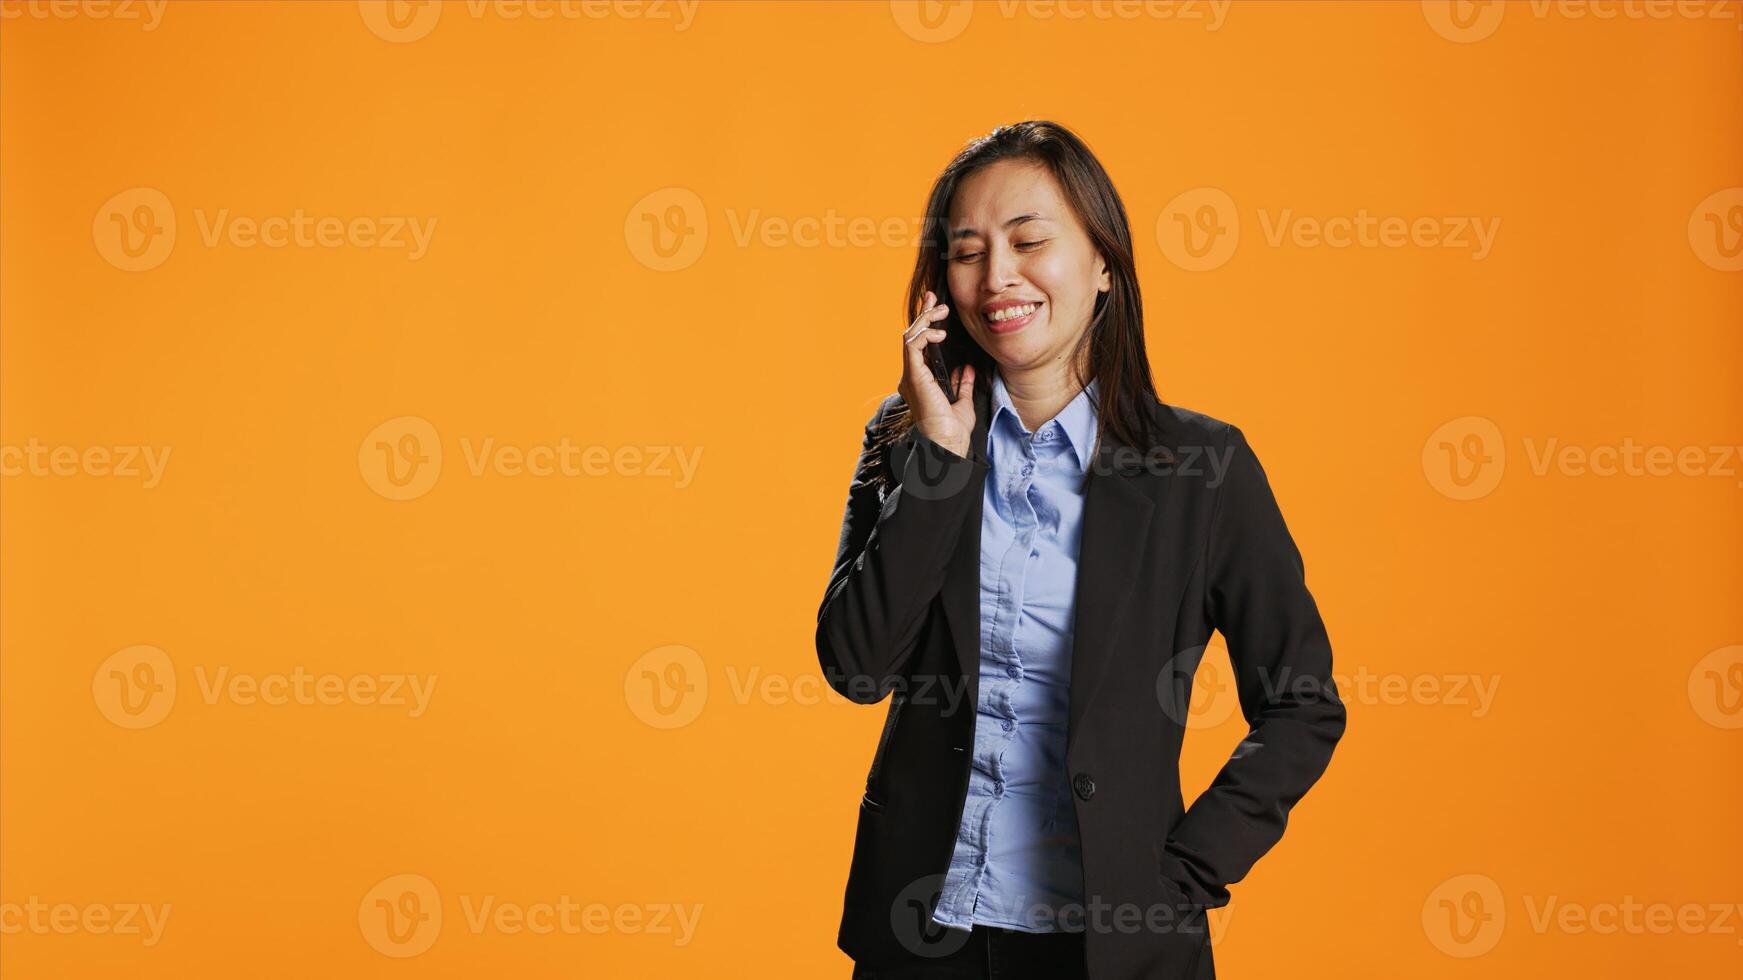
[(890, 562)]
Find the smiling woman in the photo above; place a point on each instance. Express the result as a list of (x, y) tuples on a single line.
[(1027, 216), (999, 546)]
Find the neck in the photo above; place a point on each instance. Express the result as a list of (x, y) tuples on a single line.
[(1039, 394)]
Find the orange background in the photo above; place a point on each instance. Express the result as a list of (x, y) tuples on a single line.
[(539, 313)]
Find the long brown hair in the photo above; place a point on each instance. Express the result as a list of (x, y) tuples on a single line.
[(1116, 357)]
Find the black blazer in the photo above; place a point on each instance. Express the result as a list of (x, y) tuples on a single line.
[(1170, 552)]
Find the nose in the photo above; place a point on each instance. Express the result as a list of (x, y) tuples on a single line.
[(1001, 268)]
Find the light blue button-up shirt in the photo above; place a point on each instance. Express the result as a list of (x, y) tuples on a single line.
[(1017, 849)]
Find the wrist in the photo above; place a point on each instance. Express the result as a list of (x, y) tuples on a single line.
[(957, 444)]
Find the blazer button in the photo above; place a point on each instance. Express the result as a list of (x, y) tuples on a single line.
[(1083, 785)]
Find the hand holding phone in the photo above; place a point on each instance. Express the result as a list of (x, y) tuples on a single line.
[(932, 392), (934, 354)]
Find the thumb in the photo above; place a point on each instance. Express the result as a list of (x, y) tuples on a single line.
[(965, 388)]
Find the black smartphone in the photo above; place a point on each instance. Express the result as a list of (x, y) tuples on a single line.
[(934, 355)]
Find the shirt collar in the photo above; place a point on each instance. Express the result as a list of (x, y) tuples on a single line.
[(1077, 418)]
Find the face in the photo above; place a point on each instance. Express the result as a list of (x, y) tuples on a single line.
[(1015, 243)]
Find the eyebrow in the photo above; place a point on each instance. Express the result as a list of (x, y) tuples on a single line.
[(1019, 219)]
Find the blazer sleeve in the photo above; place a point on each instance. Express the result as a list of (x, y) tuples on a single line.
[(890, 563), (1256, 596)]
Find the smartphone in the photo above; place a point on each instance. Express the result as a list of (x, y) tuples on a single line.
[(934, 355)]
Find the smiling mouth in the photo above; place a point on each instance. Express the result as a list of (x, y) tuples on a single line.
[(1012, 312)]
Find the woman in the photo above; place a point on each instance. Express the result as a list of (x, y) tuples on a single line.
[(1031, 570)]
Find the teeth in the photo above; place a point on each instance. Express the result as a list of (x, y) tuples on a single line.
[(1012, 312)]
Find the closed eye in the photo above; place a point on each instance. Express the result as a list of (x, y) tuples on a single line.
[(966, 256)]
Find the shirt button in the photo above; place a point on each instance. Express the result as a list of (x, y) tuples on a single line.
[(1028, 468), (1007, 724), (999, 788), (1014, 671)]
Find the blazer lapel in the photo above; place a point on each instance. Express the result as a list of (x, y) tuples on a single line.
[(962, 577), (1117, 510)]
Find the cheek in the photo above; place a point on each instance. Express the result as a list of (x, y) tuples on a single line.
[(962, 288), (1060, 277)]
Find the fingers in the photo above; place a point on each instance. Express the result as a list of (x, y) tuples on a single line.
[(933, 335), (916, 338), (922, 325)]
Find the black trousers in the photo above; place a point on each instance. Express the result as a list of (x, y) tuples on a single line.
[(990, 953)]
